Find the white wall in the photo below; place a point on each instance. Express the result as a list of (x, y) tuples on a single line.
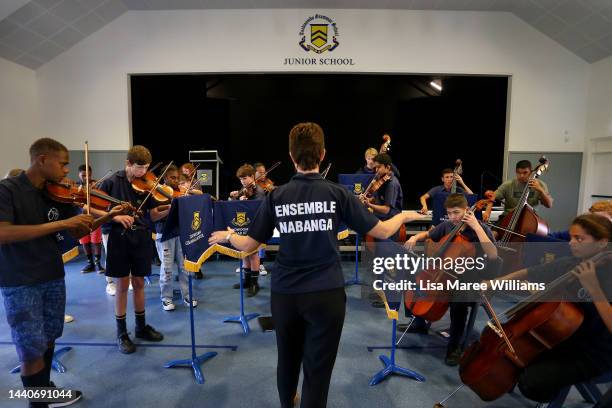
[(598, 149), (84, 92), (18, 115)]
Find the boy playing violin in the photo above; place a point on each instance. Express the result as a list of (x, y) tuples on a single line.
[(475, 231), (31, 266), (129, 248), (387, 200), (250, 191)]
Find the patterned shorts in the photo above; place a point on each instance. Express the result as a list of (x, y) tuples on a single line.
[(36, 316)]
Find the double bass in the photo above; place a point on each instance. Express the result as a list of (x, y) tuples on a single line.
[(457, 171), (523, 219), (434, 304)]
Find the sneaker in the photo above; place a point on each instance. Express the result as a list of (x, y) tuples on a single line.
[(111, 288), (74, 397), (90, 267), (125, 344), (253, 290), (68, 318), (99, 267), (199, 275), (194, 302), (453, 356), (149, 334), (237, 270), (168, 305), (262, 270)]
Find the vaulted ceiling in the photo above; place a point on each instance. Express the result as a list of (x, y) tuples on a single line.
[(34, 32)]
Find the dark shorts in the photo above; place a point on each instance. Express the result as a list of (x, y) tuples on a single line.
[(129, 254), (36, 316)]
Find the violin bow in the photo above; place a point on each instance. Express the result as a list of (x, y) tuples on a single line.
[(193, 180), (275, 165), (154, 187), (97, 183), (87, 175), (500, 330), (324, 172)]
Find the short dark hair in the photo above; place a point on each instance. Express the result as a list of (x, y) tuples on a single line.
[(245, 170), (456, 200), (139, 155), (446, 171), (383, 158), (258, 164), (523, 164), (306, 144), (44, 146), (170, 169), (595, 225), (82, 168)]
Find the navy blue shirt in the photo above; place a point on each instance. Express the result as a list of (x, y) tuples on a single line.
[(307, 212), (390, 194), (37, 260), (440, 189), (593, 336), (366, 170), (119, 187)]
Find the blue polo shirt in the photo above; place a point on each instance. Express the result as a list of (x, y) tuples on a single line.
[(440, 189), (119, 187), (390, 194), (37, 260), (307, 212)]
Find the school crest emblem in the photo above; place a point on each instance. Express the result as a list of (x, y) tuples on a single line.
[(241, 219), (196, 223), (315, 34)]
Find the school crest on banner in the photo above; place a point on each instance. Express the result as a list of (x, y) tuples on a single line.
[(241, 219), (319, 34), (358, 188), (197, 221)]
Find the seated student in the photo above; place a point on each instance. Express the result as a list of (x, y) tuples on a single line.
[(603, 208), (448, 176), (588, 352), (92, 243), (475, 231), (388, 199), (370, 167), (250, 191), (170, 252)]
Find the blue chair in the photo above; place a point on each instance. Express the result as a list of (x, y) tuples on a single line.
[(589, 391)]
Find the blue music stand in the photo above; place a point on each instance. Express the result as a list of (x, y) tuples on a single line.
[(355, 280), (195, 361), (390, 367), (56, 364), (242, 318)]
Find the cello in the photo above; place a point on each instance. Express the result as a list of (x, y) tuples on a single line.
[(434, 304)]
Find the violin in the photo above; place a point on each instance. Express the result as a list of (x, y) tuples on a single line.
[(434, 304), (492, 365), (378, 181), (266, 184), (149, 183), (71, 193)]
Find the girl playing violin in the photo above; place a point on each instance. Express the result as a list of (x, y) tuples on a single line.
[(588, 352), (250, 191)]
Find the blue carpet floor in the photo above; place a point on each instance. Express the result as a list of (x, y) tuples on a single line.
[(242, 378)]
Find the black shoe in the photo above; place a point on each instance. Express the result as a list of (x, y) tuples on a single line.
[(373, 296), (99, 267), (75, 396), (453, 356), (90, 267), (199, 275), (237, 286), (149, 334), (125, 344), (414, 328), (379, 304), (253, 290)]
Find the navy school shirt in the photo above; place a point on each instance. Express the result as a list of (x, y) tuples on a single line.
[(307, 212), (390, 194), (592, 337), (37, 260), (440, 189), (119, 187)]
